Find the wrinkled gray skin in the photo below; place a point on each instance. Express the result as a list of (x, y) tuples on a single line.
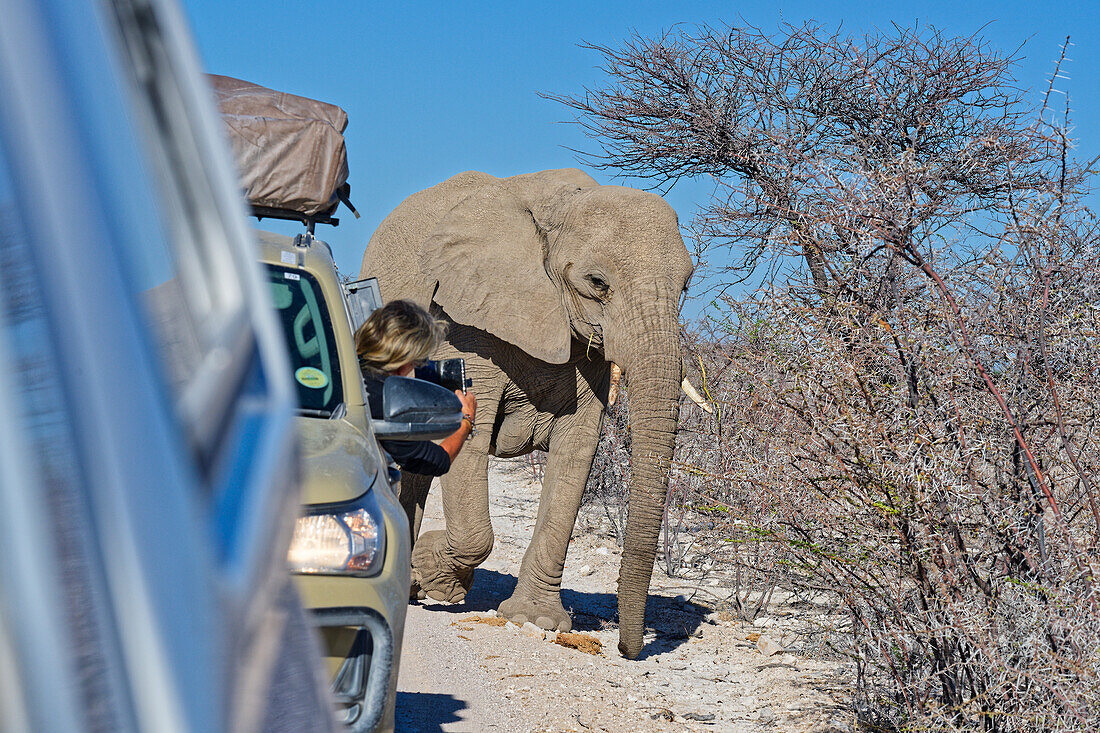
[(519, 267)]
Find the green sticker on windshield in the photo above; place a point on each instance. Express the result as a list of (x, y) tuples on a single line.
[(311, 377)]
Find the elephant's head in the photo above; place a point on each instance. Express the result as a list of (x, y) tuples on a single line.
[(549, 260)]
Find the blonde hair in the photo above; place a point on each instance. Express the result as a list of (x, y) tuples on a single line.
[(398, 333)]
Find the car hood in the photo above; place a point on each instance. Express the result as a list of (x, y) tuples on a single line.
[(338, 465)]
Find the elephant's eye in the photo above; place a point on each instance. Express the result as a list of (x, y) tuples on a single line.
[(599, 283)]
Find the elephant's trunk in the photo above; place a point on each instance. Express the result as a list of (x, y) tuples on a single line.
[(654, 370)]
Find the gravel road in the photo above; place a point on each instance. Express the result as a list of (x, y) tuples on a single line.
[(465, 669)]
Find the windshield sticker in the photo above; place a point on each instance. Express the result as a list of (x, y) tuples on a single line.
[(288, 258), (292, 276), (311, 377)]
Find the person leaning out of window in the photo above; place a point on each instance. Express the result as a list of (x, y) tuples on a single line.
[(397, 338)]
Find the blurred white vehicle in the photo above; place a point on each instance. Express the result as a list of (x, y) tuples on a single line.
[(148, 467)]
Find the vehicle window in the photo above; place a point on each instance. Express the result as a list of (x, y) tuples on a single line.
[(314, 359), (41, 438), (24, 327), (188, 280)]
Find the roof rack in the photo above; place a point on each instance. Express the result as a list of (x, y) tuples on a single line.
[(310, 221)]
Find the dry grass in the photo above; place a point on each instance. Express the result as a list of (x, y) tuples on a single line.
[(487, 620), (580, 642)]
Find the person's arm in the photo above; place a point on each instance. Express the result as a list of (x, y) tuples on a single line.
[(453, 443), (418, 456)]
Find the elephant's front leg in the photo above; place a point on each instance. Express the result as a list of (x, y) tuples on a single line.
[(537, 597), (444, 560)]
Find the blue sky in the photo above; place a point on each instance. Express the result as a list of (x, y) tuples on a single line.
[(435, 88)]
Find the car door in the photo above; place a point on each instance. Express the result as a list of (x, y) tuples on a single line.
[(148, 467)]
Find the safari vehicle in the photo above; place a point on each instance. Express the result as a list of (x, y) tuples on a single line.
[(148, 464), (351, 549)]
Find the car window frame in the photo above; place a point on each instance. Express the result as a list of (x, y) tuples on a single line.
[(198, 227)]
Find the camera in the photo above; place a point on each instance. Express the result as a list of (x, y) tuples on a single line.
[(449, 373)]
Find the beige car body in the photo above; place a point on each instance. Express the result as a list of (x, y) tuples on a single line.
[(341, 458)]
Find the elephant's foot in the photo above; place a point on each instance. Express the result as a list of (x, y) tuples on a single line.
[(435, 574), (543, 610), (416, 593)]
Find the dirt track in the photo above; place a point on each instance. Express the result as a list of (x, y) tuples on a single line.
[(464, 671)]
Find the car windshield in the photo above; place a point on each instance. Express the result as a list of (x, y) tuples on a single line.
[(309, 339)]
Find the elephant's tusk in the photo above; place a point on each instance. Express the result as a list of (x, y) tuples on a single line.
[(695, 397), (613, 391)]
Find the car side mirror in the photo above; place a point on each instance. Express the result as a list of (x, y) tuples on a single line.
[(413, 409)]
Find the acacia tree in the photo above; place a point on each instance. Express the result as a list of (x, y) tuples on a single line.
[(825, 146), (918, 407)]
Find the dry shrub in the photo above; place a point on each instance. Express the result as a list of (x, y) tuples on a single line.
[(907, 407), (610, 472), (957, 534)]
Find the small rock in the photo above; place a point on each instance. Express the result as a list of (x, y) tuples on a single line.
[(767, 715), (586, 570), (602, 551), (701, 717), (767, 646), (492, 613), (531, 630)]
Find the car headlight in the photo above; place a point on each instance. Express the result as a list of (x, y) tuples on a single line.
[(348, 540)]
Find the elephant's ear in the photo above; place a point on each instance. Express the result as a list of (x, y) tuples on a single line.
[(488, 256)]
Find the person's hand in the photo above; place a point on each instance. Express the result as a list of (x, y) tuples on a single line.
[(469, 405)]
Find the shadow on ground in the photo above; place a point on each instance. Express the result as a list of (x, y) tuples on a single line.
[(426, 712), (673, 619)]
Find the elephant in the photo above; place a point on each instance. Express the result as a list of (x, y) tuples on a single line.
[(547, 281)]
